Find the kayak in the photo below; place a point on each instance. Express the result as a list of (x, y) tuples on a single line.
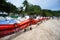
[(6, 26), (7, 29)]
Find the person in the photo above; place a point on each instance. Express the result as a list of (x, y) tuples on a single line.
[(15, 25)]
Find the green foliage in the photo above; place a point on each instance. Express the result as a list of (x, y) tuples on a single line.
[(2, 4), (7, 7), (46, 12), (25, 3), (34, 9), (29, 9), (10, 8), (56, 13)]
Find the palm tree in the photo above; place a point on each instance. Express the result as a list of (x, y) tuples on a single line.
[(26, 5)]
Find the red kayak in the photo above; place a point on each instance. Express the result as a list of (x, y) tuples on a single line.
[(12, 26), (6, 26), (6, 29), (11, 31)]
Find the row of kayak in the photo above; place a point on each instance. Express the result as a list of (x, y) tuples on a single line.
[(6, 29)]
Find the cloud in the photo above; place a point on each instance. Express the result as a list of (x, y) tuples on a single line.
[(45, 4), (16, 2)]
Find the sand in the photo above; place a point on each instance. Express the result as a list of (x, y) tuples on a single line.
[(48, 30)]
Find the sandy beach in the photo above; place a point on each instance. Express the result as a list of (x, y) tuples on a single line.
[(48, 30)]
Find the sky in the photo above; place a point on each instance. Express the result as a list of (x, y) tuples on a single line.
[(44, 4)]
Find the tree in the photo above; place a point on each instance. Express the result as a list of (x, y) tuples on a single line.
[(34, 9), (26, 5), (7, 7), (2, 4), (31, 9), (47, 13), (56, 13), (10, 8), (43, 13)]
